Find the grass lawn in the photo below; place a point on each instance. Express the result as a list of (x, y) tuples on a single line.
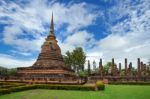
[(111, 92)]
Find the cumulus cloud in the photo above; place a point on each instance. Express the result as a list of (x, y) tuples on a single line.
[(26, 25), (128, 25), (10, 62), (31, 18), (81, 38), (130, 36)]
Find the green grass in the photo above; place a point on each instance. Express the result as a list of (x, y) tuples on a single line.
[(111, 92)]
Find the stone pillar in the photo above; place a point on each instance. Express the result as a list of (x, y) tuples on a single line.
[(115, 70), (138, 67), (109, 72), (112, 66), (101, 67), (119, 68), (89, 68), (130, 65), (130, 69), (126, 66), (141, 67), (144, 69)]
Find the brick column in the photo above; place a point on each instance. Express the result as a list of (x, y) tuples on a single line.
[(101, 67), (126, 66), (138, 67), (130, 69), (89, 68), (119, 68), (112, 67), (144, 69)]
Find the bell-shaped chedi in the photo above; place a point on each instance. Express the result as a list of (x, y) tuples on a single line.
[(50, 54), (49, 65)]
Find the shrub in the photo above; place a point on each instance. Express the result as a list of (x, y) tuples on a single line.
[(100, 85), (23, 88), (6, 85), (83, 74), (4, 91), (44, 86), (66, 87), (129, 83)]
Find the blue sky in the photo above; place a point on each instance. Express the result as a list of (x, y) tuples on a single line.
[(104, 28)]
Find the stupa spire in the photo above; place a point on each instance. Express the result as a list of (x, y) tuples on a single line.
[(52, 26)]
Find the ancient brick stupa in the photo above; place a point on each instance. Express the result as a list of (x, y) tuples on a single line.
[(50, 64)]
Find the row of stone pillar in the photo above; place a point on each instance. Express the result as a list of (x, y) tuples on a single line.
[(141, 70)]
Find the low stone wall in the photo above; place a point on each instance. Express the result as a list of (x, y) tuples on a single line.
[(44, 81), (93, 79)]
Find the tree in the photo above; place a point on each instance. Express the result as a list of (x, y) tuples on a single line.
[(122, 73), (134, 71), (12, 72), (94, 65), (79, 58), (75, 59), (3, 71), (149, 62), (106, 67), (83, 74), (8, 72), (68, 59)]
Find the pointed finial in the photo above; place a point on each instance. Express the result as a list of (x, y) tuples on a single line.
[(52, 26)]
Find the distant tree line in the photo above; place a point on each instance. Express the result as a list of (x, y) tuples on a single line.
[(7, 72)]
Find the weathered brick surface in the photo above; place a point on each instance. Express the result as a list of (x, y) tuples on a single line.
[(49, 63)]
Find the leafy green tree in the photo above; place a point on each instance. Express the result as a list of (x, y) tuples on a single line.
[(3, 71), (79, 58), (83, 74), (106, 67), (134, 71), (149, 62), (94, 66), (8, 72), (75, 59), (122, 73), (68, 59), (12, 72)]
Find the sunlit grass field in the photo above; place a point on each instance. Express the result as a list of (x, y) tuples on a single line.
[(111, 92)]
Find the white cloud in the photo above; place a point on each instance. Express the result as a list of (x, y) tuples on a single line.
[(14, 52), (32, 17), (81, 38), (128, 23), (113, 42), (10, 62), (129, 38)]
